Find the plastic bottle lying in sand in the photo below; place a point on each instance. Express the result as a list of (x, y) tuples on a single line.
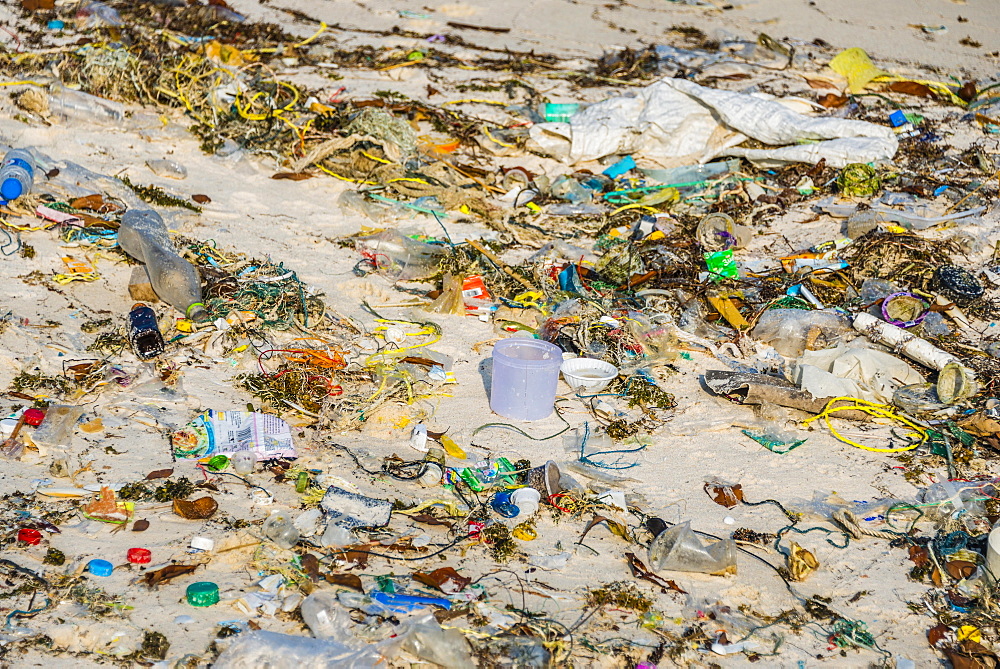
[(69, 103), (17, 174), (143, 235)]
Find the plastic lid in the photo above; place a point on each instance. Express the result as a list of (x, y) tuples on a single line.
[(139, 555), (29, 536), (11, 189), (34, 417), (100, 567), (203, 593)]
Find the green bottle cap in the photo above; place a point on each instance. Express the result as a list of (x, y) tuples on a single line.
[(218, 462), (203, 593)]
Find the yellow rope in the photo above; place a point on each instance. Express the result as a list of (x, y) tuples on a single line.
[(872, 409), (475, 101)]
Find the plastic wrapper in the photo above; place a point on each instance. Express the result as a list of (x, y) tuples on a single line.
[(428, 641), (57, 428), (450, 300), (399, 256), (253, 650), (351, 510), (680, 549), (231, 432), (793, 331)]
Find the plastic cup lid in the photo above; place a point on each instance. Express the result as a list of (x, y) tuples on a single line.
[(203, 593), (11, 189), (100, 567)]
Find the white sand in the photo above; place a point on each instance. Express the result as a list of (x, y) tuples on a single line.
[(294, 222)]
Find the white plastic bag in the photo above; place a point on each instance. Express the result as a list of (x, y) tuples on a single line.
[(676, 122)]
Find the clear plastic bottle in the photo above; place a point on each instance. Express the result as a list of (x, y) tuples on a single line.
[(17, 174), (279, 528), (143, 235), (70, 103)]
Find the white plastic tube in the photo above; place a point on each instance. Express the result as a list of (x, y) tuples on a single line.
[(901, 341)]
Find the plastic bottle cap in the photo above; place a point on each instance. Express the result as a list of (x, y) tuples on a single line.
[(29, 536), (100, 567), (203, 593), (202, 543), (34, 417), (139, 555), (11, 189)]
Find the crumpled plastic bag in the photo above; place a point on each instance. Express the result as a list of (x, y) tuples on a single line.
[(680, 549), (794, 331), (845, 371), (676, 122)]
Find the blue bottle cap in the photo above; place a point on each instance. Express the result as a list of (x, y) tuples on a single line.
[(897, 118), (11, 189), (56, 24), (100, 567)]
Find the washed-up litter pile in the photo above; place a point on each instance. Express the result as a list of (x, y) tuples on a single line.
[(612, 241)]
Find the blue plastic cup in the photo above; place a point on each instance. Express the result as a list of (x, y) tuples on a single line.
[(525, 374)]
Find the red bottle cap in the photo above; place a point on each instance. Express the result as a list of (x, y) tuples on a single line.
[(139, 555), (34, 417), (29, 536)]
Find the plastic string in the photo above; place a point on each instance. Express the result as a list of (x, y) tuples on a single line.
[(872, 409)]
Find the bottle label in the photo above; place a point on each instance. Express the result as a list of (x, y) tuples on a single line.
[(17, 162)]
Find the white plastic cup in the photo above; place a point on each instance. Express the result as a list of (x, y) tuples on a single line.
[(244, 462), (526, 499), (993, 554), (525, 374)]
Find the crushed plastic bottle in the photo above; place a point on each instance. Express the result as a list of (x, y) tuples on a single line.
[(143, 235), (280, 529), (17, 174)]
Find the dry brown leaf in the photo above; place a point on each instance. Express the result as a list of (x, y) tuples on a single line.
[(428, 519), (352, 581), (140, 525), (639, 570), (155, 578), (920, 555), (832, 100), (937, 634), (292, 176), (970, 655), (159, 474), (911, 88), (201, 199), (90, 202), (310, 565), (199, 509), (959, 569), (445, 579), (979, 425)]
